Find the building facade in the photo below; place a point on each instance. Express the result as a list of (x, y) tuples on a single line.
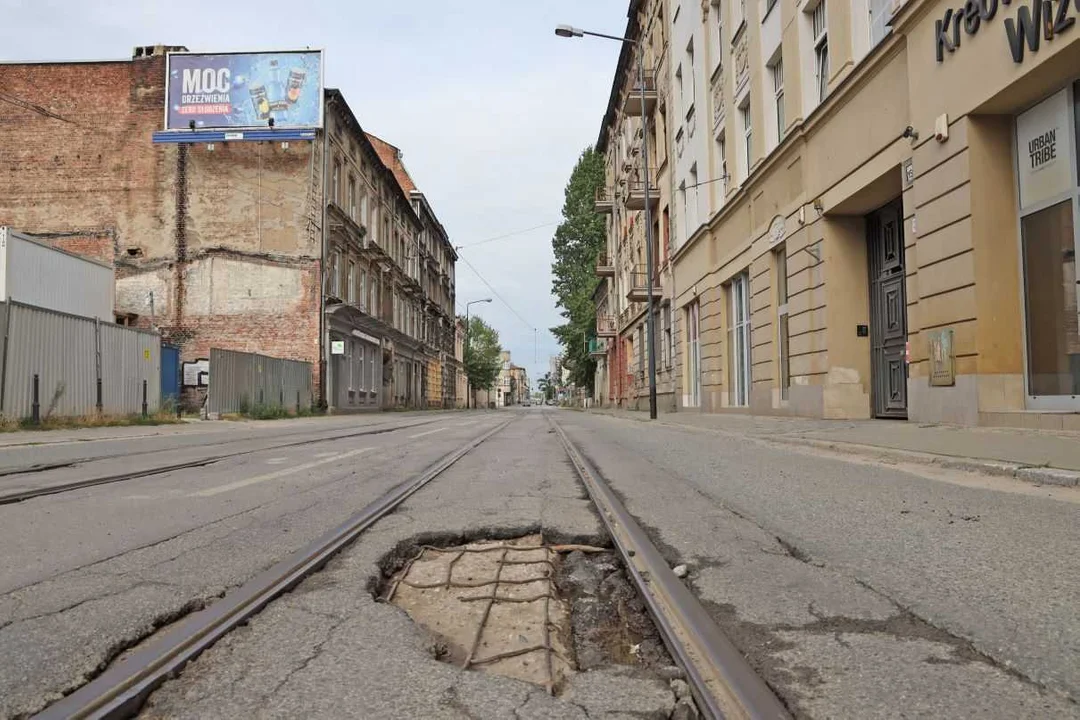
[(461, 379), (512, 384), (309, 249), (622, 298), (887, 217)]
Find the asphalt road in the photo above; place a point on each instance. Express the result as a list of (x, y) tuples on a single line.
[(87, 573), (857, 589)]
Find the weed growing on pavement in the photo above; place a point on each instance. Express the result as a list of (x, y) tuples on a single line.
[(261, 411), (89, 421)]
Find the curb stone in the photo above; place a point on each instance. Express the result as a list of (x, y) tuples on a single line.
[(1039, 475)]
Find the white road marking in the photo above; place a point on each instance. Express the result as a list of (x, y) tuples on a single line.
[(277, 461), (466, 424), (209, 492), (429, 432), (325, 454)]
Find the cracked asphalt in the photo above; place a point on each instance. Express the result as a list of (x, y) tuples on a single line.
[(89, 573), (328, 649), (859, 589)]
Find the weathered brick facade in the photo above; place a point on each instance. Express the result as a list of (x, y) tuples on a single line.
[(222, 245), (227, 240)]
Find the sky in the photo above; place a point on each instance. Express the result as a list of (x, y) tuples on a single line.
[(489, 107)]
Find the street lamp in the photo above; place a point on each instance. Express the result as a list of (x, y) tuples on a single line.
[(468, 383), (567, 31)]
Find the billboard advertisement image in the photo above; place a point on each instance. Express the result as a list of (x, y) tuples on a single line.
[(244, 90)]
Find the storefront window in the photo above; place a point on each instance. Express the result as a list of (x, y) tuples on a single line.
[(1050, 291), (1049, 198)]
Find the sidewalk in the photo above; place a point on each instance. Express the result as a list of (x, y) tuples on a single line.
[(1037, 456)]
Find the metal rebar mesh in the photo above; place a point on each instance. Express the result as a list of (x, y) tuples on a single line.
[(499, 589)]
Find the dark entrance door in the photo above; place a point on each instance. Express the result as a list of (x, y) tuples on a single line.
[(888, 311)]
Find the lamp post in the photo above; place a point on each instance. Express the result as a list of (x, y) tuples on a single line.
[(567, 31), (468, 382)]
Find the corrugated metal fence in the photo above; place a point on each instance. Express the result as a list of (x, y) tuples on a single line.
[(71, 355), (240, 381)]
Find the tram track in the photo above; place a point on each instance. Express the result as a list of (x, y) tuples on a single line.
[(721, 680), (121, 689), (11, 497)]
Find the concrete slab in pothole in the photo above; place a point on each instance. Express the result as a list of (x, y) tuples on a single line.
[(564, 618)]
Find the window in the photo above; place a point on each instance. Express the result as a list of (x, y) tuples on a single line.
[(780, 255), (351, 288), (879, 20), (668, 349), (718, 31), (721, 155), (679, 84), (778, 93), (821, 50), (738, 14), (363, 289), (692, 216), (739, 341), (363, 219), (693, 79), (693, 356), (352, 196), (335, 183), (748, 133), (335, 274)]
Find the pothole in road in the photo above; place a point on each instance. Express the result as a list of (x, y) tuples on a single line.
[(529, 610)]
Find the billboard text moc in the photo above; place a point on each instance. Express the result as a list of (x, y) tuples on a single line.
[(244, 90)]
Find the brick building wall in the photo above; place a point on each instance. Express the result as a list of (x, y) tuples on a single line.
[(228, 240)]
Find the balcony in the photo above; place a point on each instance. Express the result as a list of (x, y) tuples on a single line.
[(632, 102), (605, 200), (639, 290), (635, 197), (605, 266), (598, 348), (605, 326)]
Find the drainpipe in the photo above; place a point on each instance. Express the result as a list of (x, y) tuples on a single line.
[(324, 346), (4, 357)]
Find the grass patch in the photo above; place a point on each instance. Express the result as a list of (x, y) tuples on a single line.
[(89, 421), (261, 411)]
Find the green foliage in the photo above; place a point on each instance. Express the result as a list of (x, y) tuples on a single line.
[(547, 387), (577, 242), (482, 354)]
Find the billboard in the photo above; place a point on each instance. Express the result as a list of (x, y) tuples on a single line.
[(244, 90)]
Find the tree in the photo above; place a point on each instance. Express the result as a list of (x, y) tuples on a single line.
[(482, 354), (546, 387), (578, 240)]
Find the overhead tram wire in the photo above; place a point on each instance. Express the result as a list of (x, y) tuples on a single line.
[(496, 293), (503, 237)]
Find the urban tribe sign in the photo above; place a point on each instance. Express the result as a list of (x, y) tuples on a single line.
[(1041, 19)]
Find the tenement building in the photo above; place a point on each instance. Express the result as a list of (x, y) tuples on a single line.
[(308, 243), (636, 199), (882, 222)]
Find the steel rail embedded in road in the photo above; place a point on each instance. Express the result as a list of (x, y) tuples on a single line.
[(120, 691), (29, 494), (723, 683)]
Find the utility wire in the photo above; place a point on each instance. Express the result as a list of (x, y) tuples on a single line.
[(503, 237), (496, 294), (707, 182)]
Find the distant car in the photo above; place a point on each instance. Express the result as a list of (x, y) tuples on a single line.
[(527, 403)]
